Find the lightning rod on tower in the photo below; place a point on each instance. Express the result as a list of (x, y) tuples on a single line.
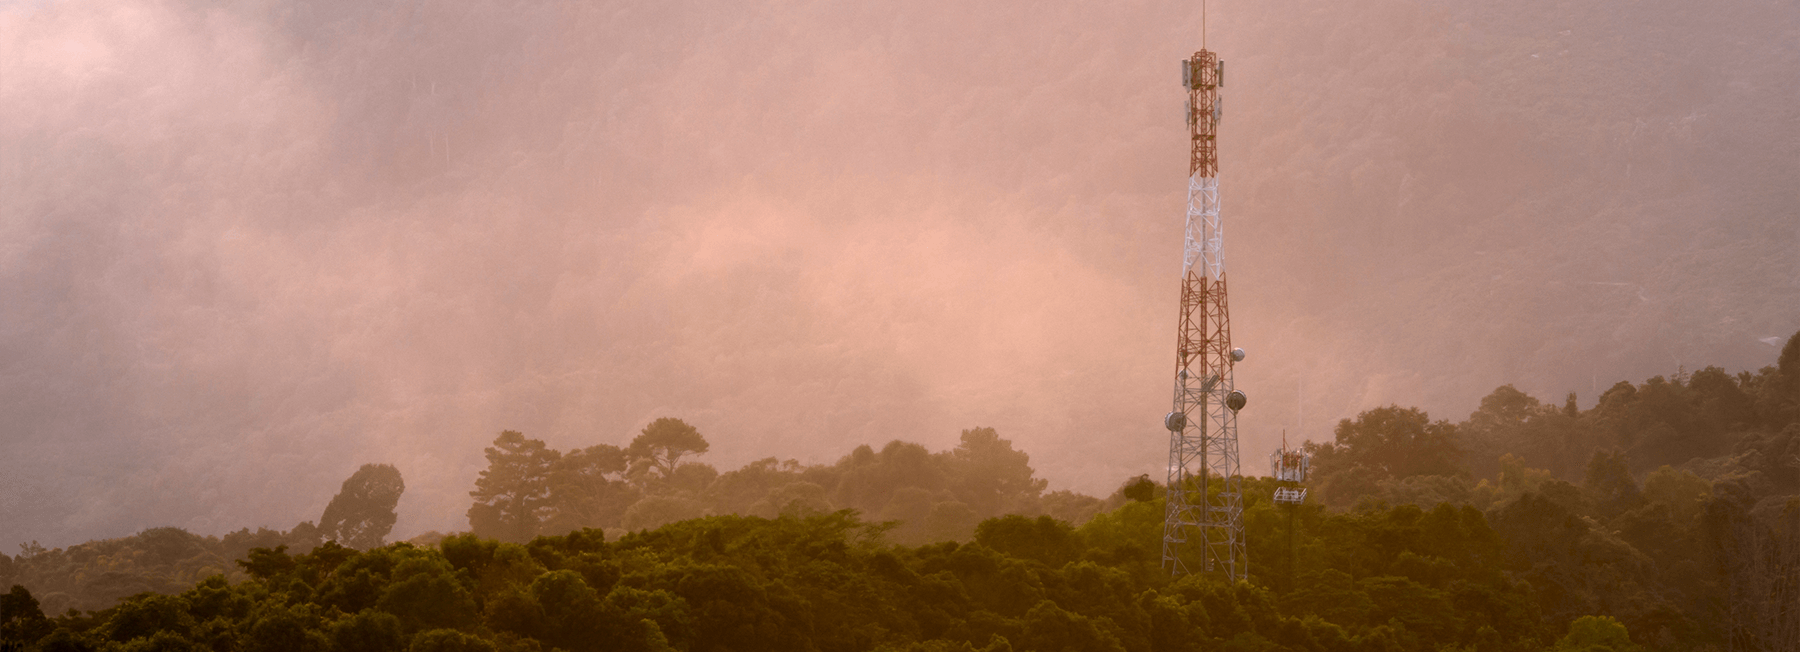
[(1204, 521)]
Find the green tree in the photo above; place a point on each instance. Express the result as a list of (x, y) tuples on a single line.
[(512, 496), (1396, 442), (267, 563), (368, 631), (362, 513), (1051, 629), (571, 609), (662, 444), (147, 615), (736, 492), (587, 489), (1682, 492), (1505, 408), (1596, 634), (278, 627), (1512, 422), (1721, 404), (426, 594), (794, 499), (873, 481), (951, 521), (449, 640), (1042, 539), (1609, 483), (20, 617), (1140, 488), (990, 476), (1076, 508), (732, 610)]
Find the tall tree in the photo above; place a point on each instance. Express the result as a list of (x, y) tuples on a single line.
[(513, 495), (362, 513), (662, 444), (990, 475)]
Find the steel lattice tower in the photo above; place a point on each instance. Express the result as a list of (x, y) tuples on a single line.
[(1205, 498)]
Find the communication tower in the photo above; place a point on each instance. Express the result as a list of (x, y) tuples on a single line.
[(1205, 517), (1290, 466)]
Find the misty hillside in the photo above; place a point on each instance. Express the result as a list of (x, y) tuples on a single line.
[(245, 248), (1679, 532)]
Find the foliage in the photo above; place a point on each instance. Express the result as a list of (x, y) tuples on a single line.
[(530, 489), (512, 496), (362, 513), (1390, 443), (662, 444), (97, 574), (1596, 634), (903, 548), (1140, 489), (828, 582)]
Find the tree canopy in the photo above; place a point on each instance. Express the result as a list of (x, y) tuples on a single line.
[(662, 444), (512, 496), (1666, 516), (362, 513)]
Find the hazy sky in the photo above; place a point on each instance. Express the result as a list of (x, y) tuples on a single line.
[(246, 247)]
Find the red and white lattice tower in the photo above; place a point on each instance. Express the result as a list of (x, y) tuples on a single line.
[(1204, 523)]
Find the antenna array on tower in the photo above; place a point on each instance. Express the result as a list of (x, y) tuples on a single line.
[(1204, 520)]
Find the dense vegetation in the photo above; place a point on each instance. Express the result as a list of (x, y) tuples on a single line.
[(529, 489), (1665, 517)]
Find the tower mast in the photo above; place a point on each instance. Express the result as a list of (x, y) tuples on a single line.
[(1204, 520)]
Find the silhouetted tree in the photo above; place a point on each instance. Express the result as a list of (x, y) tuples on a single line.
[(990, 476), (735, 492), (587, 489), (362, 513), (1141, 489), (870, 481), (20, 617), (662, 444), (512, 496)]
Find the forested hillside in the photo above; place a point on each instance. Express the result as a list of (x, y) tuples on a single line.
[(1667, 517), (332, 231)]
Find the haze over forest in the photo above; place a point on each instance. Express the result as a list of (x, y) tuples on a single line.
[(246, 248)]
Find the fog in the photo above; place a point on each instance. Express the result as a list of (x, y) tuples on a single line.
[(247, 247)]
